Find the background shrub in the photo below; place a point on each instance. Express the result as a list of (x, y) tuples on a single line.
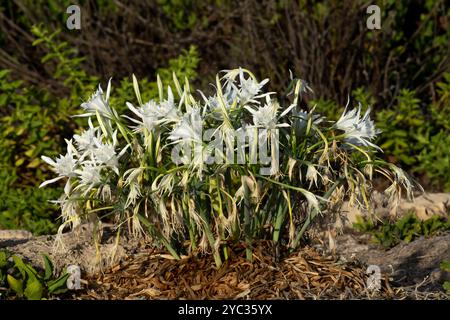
[(36, 121)]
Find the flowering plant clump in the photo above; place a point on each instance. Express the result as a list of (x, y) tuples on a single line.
[(236, 166)]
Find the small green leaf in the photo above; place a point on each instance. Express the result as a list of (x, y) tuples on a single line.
[(15, 284), (446, 286), (445, 265), (19, 162), (3, 258), (25, 269), (58, 285), (160, 87), (34, 164), (20, 265), (34, 289), (48, 266)]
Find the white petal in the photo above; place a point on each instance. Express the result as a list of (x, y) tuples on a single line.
[(108, 89), (132, 108), (43, 184), (49, 161)]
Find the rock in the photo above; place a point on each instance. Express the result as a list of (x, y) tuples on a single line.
[(15, 234), (424, 206), (407, 263), (78, 249)]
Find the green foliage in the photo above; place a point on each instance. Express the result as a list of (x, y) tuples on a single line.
[(329, 108), (24, 281), (445, 266), (406, 229), (28, 208), (404, 123), (183, 66), (35, 121), (186, 14), (332, 110), (418, 138), (180, 13), (419, 31), (27, 130), (364, 97), (67, 66)]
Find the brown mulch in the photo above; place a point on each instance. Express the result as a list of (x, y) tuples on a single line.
[(306, 274)]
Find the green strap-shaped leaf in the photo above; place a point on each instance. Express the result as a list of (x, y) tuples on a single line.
[(58, 285), (15, 284), (48, 267), (25, 269), (18, 262), (3, 258), (136, 90), (34, 289)]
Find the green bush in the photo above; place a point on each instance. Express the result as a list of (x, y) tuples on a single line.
[(418, 137), (28, 208), (27, 130), (405, 122)]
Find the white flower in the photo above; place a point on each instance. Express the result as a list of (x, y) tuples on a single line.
[(301, 118), (359, 131), (213, 104), (105, 154), (132, 181), (266, 116), (166, 111), (98, 153), (64, 166), (246, 90), (89, 175), (86, 141), (189, 129), (311, 175), (249, 88), (152, 114), (98, 102), (146, 114), (187, 139)]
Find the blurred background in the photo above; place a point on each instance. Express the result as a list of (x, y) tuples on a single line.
[(46, 70)]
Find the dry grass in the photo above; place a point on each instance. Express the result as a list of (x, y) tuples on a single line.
[(306, 274)]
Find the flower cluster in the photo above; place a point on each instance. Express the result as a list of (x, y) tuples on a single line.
[(186, 168)]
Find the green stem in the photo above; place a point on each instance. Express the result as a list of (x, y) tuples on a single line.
[(281, 213), (160, 237), (210, 236), (247, 222), (311, 216), (192, 236)]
